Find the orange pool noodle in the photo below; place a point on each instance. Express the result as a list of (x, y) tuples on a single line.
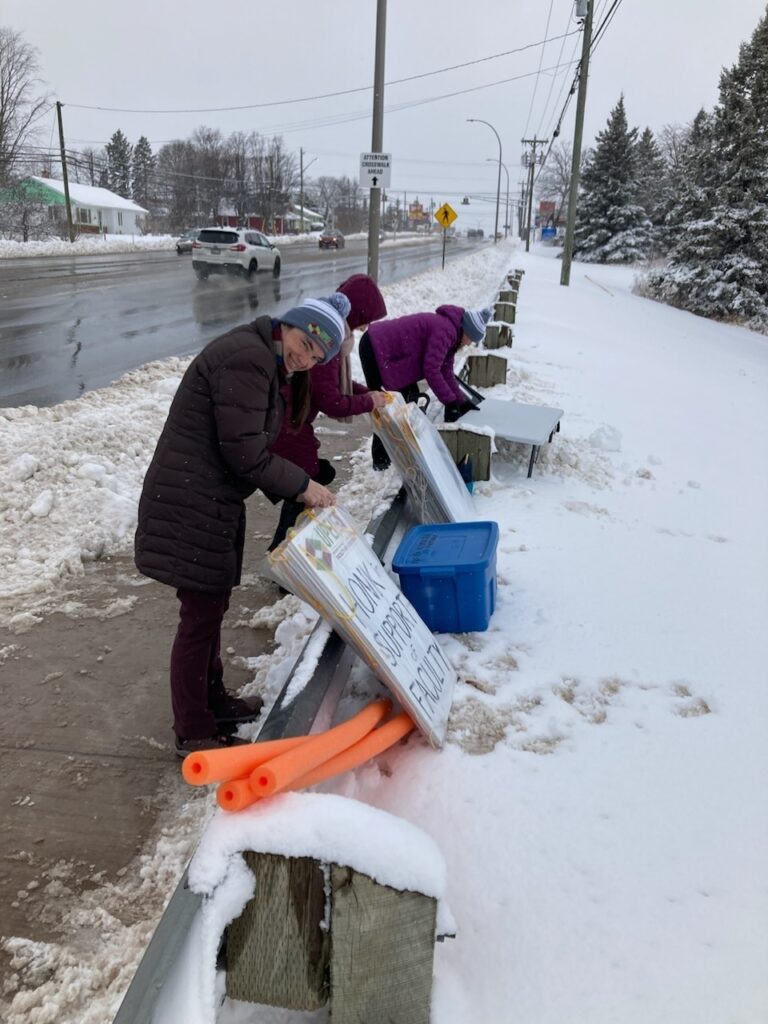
[(208, 766), (369, 746), (235, 795), (282, 770)]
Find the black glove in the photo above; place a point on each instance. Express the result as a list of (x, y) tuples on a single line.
[(455, 410)]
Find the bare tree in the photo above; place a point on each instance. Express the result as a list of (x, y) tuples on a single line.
[(671, 141), (325, 193), (20, 106), (212, 168), (554, 182), (177, 186)]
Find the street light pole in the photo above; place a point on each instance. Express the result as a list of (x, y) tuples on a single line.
[(498, 179), (492, 160)]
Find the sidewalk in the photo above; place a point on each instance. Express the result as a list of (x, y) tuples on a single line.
[(86, 746)]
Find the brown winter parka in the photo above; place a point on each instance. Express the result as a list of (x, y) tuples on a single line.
[(213, 453)]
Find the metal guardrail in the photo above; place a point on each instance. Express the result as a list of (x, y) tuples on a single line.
[(313, 706)]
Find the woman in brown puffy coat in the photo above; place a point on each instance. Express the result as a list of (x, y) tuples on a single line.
[(212, 454)]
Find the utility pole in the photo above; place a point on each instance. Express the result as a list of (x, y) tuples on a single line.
[(377, 137), (70, 225), (586, 43), (301, 190), (531, 161)]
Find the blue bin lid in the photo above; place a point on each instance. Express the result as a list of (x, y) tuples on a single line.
[(451, 547)]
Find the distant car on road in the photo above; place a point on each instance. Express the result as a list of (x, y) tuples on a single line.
[(185, 240), (475, 233), (331, 239), (238, 250)]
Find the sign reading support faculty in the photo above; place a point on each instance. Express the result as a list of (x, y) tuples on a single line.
[(375, 170), (326, 562)]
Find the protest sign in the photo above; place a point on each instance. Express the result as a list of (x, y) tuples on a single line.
[(437, 492), (327, 563)]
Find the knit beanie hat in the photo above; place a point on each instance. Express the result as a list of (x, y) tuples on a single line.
[(322, 320), (473, 323), (366, 300)]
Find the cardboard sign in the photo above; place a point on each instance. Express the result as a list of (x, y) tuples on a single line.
[(437, 492), (327, 563)]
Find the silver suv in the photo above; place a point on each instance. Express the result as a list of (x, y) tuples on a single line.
[(218, 250)]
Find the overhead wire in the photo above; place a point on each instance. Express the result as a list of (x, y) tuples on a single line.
[(540, 132), (603, 25), (321, 96), (538, 72)]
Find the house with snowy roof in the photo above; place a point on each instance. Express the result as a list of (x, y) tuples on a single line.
[(94, 209)]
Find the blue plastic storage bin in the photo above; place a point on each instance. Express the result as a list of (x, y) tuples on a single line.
[(448, 573)]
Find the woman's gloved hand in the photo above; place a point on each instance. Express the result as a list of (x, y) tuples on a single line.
[(455, 410)]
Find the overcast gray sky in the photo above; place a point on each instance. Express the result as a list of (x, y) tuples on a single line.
[(664, 55)]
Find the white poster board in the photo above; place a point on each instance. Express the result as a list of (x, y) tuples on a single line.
[(437, 492), (327, 563)]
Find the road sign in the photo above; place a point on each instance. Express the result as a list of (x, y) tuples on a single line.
[(375, 170), (445, 216)]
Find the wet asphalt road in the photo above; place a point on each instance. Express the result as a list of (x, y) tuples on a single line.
[(72, 324)]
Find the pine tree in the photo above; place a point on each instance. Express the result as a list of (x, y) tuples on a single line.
[(718, 266), (142, 169), (651, 185), (119, 165), (611, 225)]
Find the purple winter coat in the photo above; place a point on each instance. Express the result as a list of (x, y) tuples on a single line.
[(301, 446), (419, 347)]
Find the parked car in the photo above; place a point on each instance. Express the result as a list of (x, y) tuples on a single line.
[(185, 240), (234, 250), (331, 239)]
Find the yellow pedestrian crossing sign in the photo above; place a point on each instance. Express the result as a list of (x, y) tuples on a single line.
[(445, 216)]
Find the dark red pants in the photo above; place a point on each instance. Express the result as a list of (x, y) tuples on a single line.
[(196, 669)]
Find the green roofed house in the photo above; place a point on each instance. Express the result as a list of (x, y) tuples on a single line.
[(94, 209)]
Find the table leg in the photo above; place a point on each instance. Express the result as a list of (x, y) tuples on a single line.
[(534, 456)]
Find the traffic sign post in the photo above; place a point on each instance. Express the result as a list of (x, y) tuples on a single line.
[(445, 216), (375, 170)]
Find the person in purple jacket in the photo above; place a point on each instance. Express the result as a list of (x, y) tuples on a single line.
[(397, 354), (332, 392)]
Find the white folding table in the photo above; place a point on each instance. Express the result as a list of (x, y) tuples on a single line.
[(516, 421)]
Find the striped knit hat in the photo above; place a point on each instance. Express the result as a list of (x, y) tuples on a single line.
[(473, 323), (322, 320)]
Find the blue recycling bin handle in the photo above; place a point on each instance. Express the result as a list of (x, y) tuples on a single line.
[(437, 570)]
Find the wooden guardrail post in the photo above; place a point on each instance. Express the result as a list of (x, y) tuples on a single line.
[(497, 336), (315, 932), (461, 443), (505, 311), (277, 951), (485, 371)]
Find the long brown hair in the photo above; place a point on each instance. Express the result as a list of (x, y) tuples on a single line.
[(301, 394)]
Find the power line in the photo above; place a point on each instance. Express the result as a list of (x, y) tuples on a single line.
[(608, 17), (322, 96), (552, 81), (349, 117), (538, 73)]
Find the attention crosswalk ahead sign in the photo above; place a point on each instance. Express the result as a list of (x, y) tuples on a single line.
[(375, 170)]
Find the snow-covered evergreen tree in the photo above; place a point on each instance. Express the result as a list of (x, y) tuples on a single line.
[(651, 185), (142, 168), (611, 224), (119, 165), (718, 266)]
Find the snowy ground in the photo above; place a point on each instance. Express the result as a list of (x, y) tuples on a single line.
[(600, 803), (91, 244)]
